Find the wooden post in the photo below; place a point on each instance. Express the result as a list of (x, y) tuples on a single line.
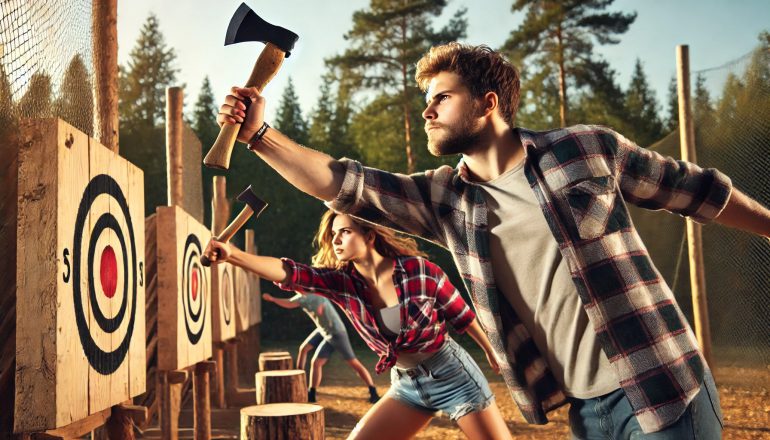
[(219, 384), (694, 241), (105, 50), (201, 403), (174, 155), (282, 421), (236, 396), (281, 386), (170, 397)]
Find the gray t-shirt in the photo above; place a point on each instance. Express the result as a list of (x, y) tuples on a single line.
[(322, 312), (531, 274)]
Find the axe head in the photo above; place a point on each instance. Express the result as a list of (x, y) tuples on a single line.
[(246, 25), (255, 203)]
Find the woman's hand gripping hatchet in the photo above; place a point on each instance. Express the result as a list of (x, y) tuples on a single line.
[(254, 206), (246, 25)]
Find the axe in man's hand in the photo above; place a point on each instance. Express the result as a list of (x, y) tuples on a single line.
[(254, 206), (246, 25)]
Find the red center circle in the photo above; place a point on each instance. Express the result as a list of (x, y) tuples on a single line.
[(108, 272), (195, 284)]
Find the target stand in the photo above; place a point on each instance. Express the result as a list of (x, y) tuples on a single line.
[(80, 324), (184, 290)]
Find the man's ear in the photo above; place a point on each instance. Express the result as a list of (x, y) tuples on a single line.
[(489, 103)]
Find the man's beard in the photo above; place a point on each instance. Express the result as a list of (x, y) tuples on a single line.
[(456, 140)]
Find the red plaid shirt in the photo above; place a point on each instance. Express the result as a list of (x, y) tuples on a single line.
[(427, 300)]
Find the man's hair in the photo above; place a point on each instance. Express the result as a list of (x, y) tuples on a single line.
[(481, 70)]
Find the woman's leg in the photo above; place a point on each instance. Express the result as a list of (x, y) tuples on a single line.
[(485, 424), (396, 418)]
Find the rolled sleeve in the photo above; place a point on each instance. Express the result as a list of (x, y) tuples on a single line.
[(653, 181), (306, 279), (352, 187)]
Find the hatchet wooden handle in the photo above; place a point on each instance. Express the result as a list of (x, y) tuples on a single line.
[(230, 231), (267, 65)]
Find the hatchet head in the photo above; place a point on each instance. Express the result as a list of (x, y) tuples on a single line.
[(255, 203), (246, 25)]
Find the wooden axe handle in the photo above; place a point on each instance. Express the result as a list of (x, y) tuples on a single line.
[(230, 231), (267, 65)]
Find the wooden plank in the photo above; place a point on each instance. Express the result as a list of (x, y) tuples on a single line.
[(137, 358), (167, 287), (242, 299), (53, 170), (110, 250), (255, 296), (192, 158)]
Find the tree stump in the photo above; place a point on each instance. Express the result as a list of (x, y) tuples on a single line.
[(275, 361), (281, 386), (282, 421)]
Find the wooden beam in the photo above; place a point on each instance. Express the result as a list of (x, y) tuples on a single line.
[(694, 240), (81, 427)]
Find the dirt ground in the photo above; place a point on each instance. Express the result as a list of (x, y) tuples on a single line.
[(744, 392)]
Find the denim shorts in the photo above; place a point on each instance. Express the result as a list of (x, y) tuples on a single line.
[(450, 381)]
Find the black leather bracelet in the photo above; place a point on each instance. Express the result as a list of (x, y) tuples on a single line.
[(258, 135)]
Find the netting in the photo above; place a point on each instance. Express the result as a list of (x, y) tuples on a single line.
[(732, 134), (46, 61)]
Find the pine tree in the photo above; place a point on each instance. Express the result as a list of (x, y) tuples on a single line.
[(36, 101), (702, 108), (642, 109), (143, 83), (672, 118), (75, 101), (204, 117), (387, 40), (561, 34), (601, 100), (289, 119)]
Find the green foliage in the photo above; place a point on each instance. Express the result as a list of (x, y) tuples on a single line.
[(143, 82), (601, 100), (558, 38), (289, 119), (204, 116), (387, 40), (36, 101), (672, 107), (645, 126), (75, 101)]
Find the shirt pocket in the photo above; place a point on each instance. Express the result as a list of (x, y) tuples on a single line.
[(591, 203)]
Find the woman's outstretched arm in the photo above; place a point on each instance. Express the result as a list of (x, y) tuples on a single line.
[(269, 268)]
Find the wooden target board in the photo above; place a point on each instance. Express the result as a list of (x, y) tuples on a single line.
[(255, 296), (223, 302), (184, 290), (242, 299), (80, 323)]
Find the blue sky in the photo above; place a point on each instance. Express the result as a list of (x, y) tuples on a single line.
[(716, 31)]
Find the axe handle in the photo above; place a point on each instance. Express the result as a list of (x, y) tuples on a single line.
[(265, 68), (230, 230)]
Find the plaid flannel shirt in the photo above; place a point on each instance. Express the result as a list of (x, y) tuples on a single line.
[(582, 177), (427, 300)]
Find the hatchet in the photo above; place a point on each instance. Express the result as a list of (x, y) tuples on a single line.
[(246, 25), (254, 205)]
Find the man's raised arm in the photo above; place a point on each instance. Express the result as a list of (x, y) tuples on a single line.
[(311, 171)]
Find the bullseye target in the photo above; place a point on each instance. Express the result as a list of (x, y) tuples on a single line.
[(223, 300), (80, 297), (195, 286), (109, 262), (184, 290)]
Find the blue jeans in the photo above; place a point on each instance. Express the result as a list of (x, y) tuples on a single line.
[(449, 381), (611, 417)]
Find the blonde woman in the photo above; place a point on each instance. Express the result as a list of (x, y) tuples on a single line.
[(399, 302)]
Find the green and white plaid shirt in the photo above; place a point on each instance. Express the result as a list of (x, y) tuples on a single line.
[(582, 177)]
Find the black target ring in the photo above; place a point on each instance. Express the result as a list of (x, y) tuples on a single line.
[(192, 253), (106, 221), (228, 293), (102, 361)]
